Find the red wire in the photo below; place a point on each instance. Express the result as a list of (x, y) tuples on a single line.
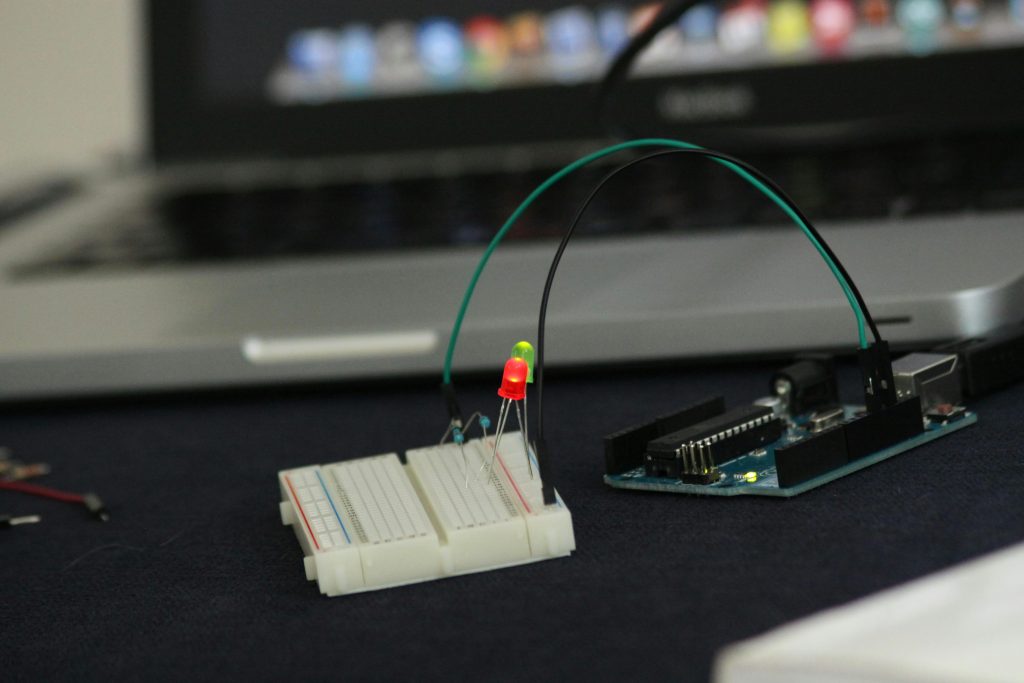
[(42, 491)]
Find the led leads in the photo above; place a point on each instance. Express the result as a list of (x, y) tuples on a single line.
[(518, 373), (524, 350)]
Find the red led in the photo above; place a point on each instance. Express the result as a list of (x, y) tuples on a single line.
[(513, 381)]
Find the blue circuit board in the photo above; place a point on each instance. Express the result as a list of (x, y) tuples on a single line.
[(753, 474)]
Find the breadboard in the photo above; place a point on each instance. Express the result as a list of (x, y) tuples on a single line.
[(375, 522)]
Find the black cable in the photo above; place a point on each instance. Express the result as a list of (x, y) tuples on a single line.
[(623, 62), (799, 133), (542, 456)]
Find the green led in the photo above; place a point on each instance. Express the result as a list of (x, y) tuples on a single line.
[(524, 350)]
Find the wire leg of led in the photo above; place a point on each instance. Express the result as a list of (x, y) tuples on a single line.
[(526, 433), (498, 431), (522, 432), (497, 428)]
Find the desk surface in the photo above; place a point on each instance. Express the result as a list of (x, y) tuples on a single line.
[(195, 575)]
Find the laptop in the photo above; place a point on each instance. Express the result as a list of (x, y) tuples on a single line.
[(323, 176)]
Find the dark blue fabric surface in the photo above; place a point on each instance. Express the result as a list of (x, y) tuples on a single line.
[(195, 577)]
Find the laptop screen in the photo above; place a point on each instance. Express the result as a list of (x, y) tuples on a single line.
[(269, 78), (312, 53)]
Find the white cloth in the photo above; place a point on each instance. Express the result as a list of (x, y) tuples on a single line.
[(962, 624)]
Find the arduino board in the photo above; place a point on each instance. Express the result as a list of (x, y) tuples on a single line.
[(757, 472), (795, 440)]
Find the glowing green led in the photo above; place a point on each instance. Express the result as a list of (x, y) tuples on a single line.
[(524, 350)]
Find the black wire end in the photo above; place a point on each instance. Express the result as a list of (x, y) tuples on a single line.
[(95, 506), (547, 490), (451, 403), (876, 375)]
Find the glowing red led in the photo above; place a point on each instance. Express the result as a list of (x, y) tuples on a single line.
[(513, 381)]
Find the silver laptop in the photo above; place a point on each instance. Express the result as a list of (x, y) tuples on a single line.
[(324, 176)]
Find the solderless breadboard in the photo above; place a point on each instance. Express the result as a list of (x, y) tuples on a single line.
[(375, 522)]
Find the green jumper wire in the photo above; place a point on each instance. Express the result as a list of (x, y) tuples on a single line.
[(600, 154)]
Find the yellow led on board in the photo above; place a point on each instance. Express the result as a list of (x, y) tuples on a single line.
[(524, 350)]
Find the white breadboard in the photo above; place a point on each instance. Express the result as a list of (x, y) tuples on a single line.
[(374, 523)]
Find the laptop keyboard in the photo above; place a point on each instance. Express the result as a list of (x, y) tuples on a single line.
[(670, 194)]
